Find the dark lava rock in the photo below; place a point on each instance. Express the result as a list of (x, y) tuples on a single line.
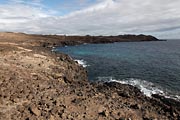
[(168, 101), (136, 106)]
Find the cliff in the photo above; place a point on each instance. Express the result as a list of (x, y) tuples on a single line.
[(36, 83), (62, 40)]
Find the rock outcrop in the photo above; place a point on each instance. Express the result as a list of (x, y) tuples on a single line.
[(63, 40), (36, 83)]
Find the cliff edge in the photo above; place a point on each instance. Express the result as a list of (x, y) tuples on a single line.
[(36, 83)]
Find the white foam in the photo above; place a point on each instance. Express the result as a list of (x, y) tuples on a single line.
[(177, 96), (53, 50), (82, 62), (147, 88), (105, 79)]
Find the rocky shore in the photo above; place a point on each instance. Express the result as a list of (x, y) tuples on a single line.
[(37, 84)]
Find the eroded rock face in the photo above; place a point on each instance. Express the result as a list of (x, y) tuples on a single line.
[(63, 40), (31, 80), (38, 84)]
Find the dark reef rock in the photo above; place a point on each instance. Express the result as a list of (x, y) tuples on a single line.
[(36, 83), (168, 101)]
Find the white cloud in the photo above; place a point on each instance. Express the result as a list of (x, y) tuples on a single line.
[(107, 17)]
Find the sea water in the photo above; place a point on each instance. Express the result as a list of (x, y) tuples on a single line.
[(154, 67)]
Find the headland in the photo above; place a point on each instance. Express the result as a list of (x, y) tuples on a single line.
[(36, 83)]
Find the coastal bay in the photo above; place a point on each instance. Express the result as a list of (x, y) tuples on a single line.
[(37, 83)]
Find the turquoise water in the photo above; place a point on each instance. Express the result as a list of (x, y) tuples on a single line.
[(151, 66)]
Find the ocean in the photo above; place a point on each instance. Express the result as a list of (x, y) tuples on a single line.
[(153, 67)]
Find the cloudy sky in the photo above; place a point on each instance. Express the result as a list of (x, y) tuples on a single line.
[(160, 18)]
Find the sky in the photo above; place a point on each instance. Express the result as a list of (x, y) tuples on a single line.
[(160, 18)]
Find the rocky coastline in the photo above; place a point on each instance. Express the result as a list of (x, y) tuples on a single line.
[(37, 84)]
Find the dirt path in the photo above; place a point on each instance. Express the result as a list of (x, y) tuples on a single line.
[(15, 45)]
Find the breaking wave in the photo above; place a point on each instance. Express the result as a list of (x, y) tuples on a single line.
[(147, 88), (82, 62)]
